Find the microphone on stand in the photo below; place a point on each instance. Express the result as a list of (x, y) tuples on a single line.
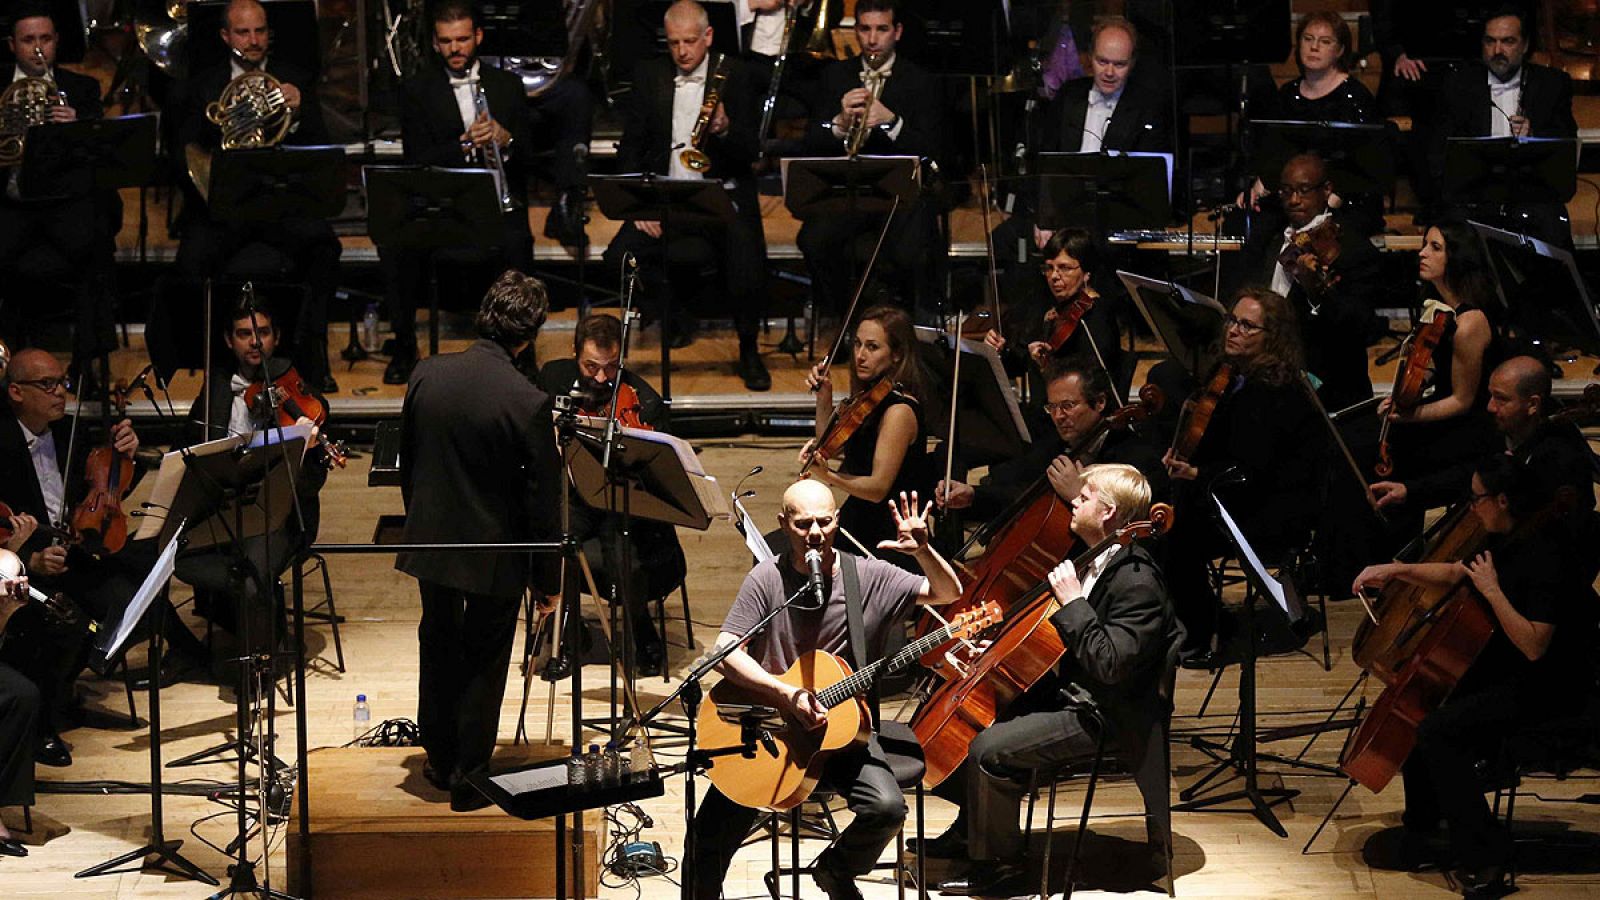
[(814, 561)]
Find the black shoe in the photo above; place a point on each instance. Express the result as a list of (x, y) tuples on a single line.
[(399, 369), (754, 372), (466, 798), (681, 333), (565, 222), (1488, 883), (328, 385), (432, 776), (986, 878), (650, 661), (836, 884), (52, 751), (1208, 660), (950, 845), (12, 847)]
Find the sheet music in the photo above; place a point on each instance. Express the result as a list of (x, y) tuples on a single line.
[(539, 778), (153, 583), (1248, 553)]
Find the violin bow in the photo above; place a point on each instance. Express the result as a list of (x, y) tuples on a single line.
[(1111, 378), (955, 390), (861, 286)]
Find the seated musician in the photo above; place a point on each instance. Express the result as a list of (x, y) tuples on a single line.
[(1508, 96), (658, 565), (1077, 398), (906, 119), (19, 712), (251, 335), (209, 245), (1031, 320), (761, 33), (39, 481), (1109, 109), (1336, 312), (1260, 453), (886, 454), (561, 123), (1535, 664), (1119, 630), (74, 227), (660, 126), (810, 521), (440, 125)]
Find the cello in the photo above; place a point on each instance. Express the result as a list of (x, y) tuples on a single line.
[(1022, 544), (1026, 648)]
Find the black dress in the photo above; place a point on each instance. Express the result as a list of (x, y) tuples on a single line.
[(1421, 447), (871, 522)]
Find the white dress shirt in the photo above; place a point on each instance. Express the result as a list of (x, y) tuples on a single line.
[(46, 466), (688, 92), (240, 420), (1096, 117), (465, 89), (1098, 568), (766, 38), (1282, 281), (1506, 97)]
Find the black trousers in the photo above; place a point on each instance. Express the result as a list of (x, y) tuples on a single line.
[(905, 269), (563, 118), (1441, 779), (19, 710), (73, 230), (408, 275), (861, 775), (208, 247), (465, 645), (265, 558), (737, 249)]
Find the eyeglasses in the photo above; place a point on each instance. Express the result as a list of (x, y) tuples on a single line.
[(1314, 41), (1244, 325), (1288, 191), (1475, 499), (48, 385), (1063, 407), (1049, 269)]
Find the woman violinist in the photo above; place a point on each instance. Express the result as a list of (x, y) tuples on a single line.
[(885, 452), (1260, 452), (1538, 661)]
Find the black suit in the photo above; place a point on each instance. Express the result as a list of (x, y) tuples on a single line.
[(76, 235), (739, 248), (1121, 642), (907, 266), (310, 249), (1466, 110), (1335, 335), (431, 128), (477, 464)]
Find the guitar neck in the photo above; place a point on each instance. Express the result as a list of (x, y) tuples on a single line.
[(858, 682)]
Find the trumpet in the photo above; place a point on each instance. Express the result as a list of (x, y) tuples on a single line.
[(873, 81), (693, 157), (490, 156)]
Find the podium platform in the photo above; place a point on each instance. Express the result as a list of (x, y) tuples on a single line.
[(380, 831)]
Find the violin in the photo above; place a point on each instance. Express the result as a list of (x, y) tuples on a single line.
[(1065, 324), (1197, 412), (847, 420), (1309, 255), (290, 400), (58, 610), (59, 535), (630, 409), (1416, 365), (98, 519)]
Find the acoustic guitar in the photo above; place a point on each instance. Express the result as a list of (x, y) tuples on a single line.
[(788, 758)]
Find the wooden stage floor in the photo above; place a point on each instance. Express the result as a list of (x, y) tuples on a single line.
[(1218, 854)]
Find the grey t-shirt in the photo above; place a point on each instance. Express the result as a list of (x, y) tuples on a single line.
[(887, 593)]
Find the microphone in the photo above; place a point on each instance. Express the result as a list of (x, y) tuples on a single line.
[(814, 561)]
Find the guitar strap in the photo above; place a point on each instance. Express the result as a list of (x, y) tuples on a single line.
[(861, 654)]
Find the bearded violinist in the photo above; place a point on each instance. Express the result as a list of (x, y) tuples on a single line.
[(886, 454), (1332, 298), (223, 592), (1077, 399), (658, 564), (1260, 452), (1539, 657)]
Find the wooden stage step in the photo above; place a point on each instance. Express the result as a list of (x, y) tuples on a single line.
[(380, 831)]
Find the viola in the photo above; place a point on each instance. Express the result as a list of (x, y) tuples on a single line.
[(847, 420), (1416, 365), (1026, 647), (1022, 544), (1197, 412), (290, 401), (1065, 323), (98, 519), (1309, 255)]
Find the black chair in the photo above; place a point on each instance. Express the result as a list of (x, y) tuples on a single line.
[(324, 611), (1555, 749)]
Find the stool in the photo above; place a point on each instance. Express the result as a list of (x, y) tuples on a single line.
[(661, 615), (331, 615)]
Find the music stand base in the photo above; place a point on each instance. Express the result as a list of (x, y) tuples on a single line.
[(162, 856), (1260, 805), (243, 882)]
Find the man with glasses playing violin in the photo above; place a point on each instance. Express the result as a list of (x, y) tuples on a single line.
[(1327, 269), (37, 480)]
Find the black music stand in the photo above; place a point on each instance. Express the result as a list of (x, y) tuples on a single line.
[(270, 185), (71, 159), (160, 853), (672, 202), (989, 424), (1548, 304), (1512, 181), (177, 304), (1360, 158), (415, 209), (1187, 322), (1230, 32), (1104, 191)]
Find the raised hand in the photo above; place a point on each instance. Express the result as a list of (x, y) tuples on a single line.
[(910, 524)]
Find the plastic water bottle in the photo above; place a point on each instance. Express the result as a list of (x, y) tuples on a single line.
[(593, 776), (639, 761), (369, 328), (361, 719), (575, 770), (613, 768)]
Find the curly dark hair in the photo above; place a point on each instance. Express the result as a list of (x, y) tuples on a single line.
[(1466, 265), (513, 309), (1095, 383), (604, 329), (896, 325), (1283, 357)]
